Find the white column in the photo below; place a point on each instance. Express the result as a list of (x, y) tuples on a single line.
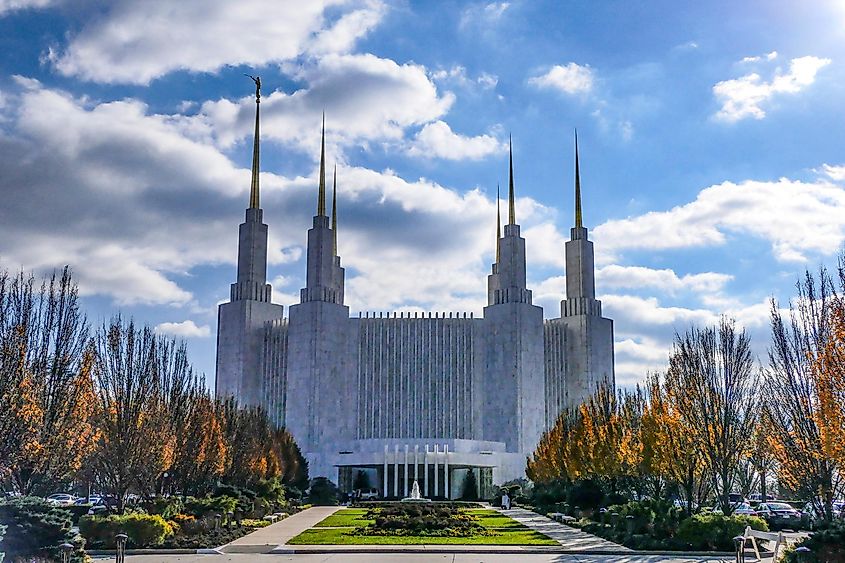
[(425, 470), (446, 469), (406, 470), (416, 462), (396, 470), (436, 478), (385, 471)]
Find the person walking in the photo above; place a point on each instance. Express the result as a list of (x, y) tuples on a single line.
[(506, 501)]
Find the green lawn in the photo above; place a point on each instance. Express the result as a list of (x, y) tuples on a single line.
[(344, 536), (345, 518), (339, 529)]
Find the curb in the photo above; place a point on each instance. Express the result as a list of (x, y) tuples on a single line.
[(491, 550)]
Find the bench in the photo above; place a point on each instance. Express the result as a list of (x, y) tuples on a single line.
[(560, 517), (754, 535)]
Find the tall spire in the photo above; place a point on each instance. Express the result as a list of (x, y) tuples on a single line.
[(253, 190), (334, 212), (321, 195), (511, 201), (578, 221), (498, 223)]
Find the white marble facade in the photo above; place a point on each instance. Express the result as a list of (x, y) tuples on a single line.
[(355, 391)]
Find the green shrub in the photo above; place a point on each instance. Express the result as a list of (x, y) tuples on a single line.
[(715, 531), (323, 492), (656, 518), (166, 507), (144, 530), (827, 544), (420, 520), (35, 529), (271, 490), (210, 505), (585, 494)]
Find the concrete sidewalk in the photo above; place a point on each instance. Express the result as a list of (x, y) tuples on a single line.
[(268, 538), (571, 539)]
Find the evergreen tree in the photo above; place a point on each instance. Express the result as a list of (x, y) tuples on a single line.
[(469, 490)]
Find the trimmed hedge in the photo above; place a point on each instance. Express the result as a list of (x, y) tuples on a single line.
[(716, 532), (35, 529), (144, 530)]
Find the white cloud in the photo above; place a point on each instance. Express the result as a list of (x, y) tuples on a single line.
[(136, 42), (834, 172), (569, 79), (365, 98), (768, 56), (136, 201), (666, 280), (483, 14), (745, 96), (457, 75), (13, 5), (185, 329), (796, 218), (645, 330), (437, 140)]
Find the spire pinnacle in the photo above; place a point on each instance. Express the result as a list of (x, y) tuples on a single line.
[(253, 189), (511, 200), (578, 221), (498, 223), (334, 212), (321, 194)]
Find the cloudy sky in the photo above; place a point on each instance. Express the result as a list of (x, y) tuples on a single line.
[(712, 151)]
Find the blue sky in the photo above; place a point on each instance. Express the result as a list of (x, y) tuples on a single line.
[(711, 137)]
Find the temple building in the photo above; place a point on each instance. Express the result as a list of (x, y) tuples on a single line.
[(402, 397)]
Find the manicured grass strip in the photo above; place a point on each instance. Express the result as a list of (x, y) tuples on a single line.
[(341, 536), (345, 517), (500, 522)]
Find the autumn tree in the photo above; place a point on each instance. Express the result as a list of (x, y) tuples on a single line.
[(551, 460), (136, 442), (46, 395), (714, 368), (669, 446), (800, 381)]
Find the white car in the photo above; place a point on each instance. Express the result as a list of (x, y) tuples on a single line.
[(61, 499), (740, 509)]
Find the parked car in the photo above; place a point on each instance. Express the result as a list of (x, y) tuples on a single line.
[(735, 498), (813, 515), (740, 509), (93, 499), (779, 515), (61, 499), (369, 494), (102, 505)]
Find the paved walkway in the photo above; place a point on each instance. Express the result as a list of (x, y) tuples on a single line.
[(568, 537), (266, 539)]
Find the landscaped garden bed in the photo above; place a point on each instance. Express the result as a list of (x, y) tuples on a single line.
[(420, 524)]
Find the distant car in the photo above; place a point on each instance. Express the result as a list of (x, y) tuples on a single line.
[(779, 515), (93, 499), (61, 499), (369, 494), (100, 507), (813, 515), (735, 498), (740, 509)]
